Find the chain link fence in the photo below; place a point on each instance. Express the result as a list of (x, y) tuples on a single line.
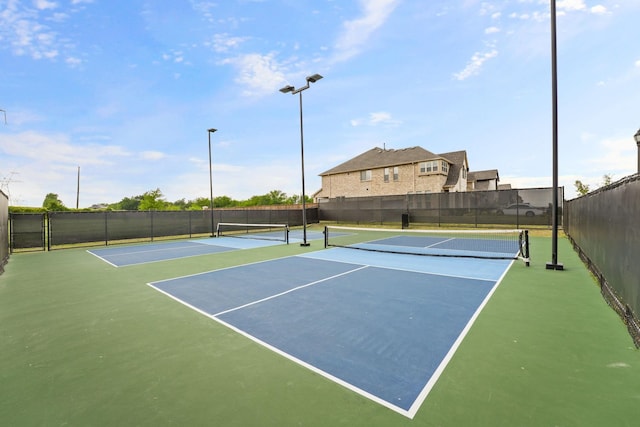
[(505, 208), (53, 230), (4, 230), (603, 228)]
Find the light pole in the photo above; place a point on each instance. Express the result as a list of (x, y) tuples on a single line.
[(311, 79), (554, 264), (209, 132), (637, 138)]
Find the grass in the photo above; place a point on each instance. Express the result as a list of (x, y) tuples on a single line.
[(85, 344)]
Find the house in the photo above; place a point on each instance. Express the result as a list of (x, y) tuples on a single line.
[(483, 180), (382, 171)]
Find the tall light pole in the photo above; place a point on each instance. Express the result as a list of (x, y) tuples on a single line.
[(209, 132), (637, 138), (311, 79), (554, 265)]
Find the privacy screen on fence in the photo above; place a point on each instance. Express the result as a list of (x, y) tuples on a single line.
[(603, 227), (27, 231), (82, 227), (4, 230), (503, 207)]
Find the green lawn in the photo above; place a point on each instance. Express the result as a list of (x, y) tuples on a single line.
[(86, 344)]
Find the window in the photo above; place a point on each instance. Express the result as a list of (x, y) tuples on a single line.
[(386, 174), (426, 167), (396, 174), (445, 166), (365, 175)]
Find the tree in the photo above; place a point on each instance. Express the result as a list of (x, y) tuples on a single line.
[(276, 197), (223, 202), (606, 179), (581, 188), (152, 200), (53, 203), (127, 204)]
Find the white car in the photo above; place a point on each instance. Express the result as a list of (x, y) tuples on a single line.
[(521, 209)]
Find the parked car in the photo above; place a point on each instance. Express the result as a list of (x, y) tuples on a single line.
[(521, 209)]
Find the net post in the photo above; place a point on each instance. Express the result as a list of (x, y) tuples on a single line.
[(526, 248), (286, 234), (326, 237)]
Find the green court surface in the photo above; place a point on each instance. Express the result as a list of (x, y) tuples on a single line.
[(87, 344)]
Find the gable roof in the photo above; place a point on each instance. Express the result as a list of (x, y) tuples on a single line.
[(457, 159), (483, 175), (379, 158)]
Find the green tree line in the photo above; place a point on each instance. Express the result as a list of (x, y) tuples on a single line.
[(155, 200)]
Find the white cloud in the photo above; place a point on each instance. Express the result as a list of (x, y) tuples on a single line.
[(570, 5), (475, 64), (58, 149), (599, 10), (23, 29), (616, 155), (152, 155), (44, 4), (224, 42), (73, 62), (637, 63), (374, 119), (358, 31), (492, 30), (258, 74)]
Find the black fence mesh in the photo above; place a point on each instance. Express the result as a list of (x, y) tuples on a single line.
[(513, 208), (27, 231), (4, 230), (103, 228), (603, 228)]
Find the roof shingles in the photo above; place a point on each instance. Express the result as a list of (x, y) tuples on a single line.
[(380, 157)]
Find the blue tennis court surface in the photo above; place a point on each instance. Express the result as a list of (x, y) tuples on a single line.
[(121, 256), (382, 325)]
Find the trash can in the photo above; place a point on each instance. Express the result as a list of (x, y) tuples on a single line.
[(405, 220)]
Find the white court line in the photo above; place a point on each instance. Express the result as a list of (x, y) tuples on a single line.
[(313, 255), (289, 291), (416, 405), (447, 358)]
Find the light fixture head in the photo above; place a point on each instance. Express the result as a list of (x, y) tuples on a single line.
[(287, 89), (637, 137), (212, 130), (314, 78)]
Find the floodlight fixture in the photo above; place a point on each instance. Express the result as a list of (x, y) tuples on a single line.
[(287, 89), (314, 78)]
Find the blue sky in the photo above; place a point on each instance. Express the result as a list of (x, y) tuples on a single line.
[(126, 90)]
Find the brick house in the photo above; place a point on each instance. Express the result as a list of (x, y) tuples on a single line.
[(483, 180), (381, 171)]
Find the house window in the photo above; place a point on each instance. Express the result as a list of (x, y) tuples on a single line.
[(365, 175), (396, 174), (386, 174), (445, 166), (426, 167)]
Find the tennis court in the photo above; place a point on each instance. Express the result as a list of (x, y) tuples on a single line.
[(121, 256), (88, 344), (383, 325)]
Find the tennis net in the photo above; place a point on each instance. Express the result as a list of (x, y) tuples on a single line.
[(488, 244), (279, 232)]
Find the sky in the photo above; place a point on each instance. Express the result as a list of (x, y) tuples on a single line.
[(121, 92)]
